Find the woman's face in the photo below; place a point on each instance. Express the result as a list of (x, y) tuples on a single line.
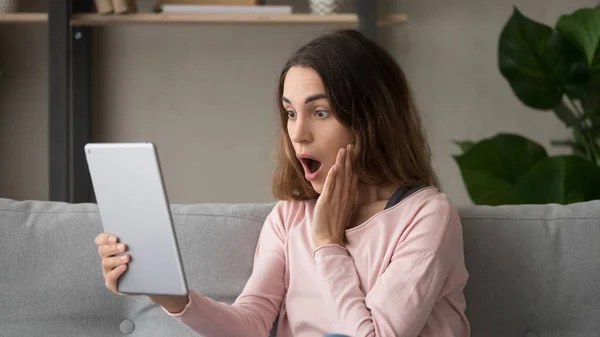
[(314, 131)]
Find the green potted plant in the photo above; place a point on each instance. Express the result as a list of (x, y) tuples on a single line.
[(549, 69)]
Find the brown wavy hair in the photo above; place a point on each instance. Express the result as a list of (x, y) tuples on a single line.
[(369, 94)]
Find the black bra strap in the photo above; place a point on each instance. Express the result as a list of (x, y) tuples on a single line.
[(401, 194)]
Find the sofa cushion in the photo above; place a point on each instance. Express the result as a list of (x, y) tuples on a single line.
[(533, 268), (51, 282)]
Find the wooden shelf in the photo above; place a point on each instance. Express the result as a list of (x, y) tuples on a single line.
[(101, 20), (23, 17)]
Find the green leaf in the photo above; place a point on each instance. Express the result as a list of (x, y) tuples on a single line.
[(561, 180), (465, 145), (591, 101), (532, 57), (576, 80), (566, 115), (492, 167), (583, 29), (580, 146)]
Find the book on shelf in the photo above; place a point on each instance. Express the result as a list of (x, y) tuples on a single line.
[(124, 6), (225, 9), (115, 6), (103, 6)]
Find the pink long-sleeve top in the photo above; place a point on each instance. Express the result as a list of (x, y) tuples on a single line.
[(401, 273)]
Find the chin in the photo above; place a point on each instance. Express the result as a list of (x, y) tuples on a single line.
[(318, 187)]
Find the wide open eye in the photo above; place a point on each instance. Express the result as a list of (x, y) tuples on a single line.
[(321, 113)]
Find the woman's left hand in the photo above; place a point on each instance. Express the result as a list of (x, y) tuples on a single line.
[(335, 205)]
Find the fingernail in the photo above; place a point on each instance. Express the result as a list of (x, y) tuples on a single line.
[(112, 239), (120, 246), (124, 258)]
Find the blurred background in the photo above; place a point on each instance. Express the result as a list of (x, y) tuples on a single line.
[(204, 93)]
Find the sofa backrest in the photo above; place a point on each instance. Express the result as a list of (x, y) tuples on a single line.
[(533, 268)]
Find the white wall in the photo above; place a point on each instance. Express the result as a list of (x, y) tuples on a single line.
[(205, 94)]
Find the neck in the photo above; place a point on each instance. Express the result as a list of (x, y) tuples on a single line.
[(371, 194)]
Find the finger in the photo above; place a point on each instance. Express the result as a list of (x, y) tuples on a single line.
[(329, 182), (111, 278), (111, 263), (339, 176), (106, 239), (348, 165), (339, 159), (110, 250)]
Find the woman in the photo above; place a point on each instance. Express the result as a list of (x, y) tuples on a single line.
[(362, 242)]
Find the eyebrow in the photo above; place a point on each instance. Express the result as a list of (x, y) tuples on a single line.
[(308, 99)]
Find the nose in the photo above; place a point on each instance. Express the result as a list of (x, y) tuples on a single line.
[(300, 130)]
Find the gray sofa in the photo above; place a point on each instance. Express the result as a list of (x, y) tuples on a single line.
[(535, 270)]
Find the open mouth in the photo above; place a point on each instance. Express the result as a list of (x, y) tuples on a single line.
[(311, 165)]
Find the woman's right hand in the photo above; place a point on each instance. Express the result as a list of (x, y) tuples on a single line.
[(112, 266)]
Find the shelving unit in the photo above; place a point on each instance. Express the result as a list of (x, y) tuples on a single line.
[(70, 24), (23, 17)]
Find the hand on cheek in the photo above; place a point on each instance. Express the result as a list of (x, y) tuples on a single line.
[(336, 202)]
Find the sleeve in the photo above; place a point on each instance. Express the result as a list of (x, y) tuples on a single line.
[(403, 297), (256, 309)]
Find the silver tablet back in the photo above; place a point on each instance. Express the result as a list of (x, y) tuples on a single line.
[(134, 206)]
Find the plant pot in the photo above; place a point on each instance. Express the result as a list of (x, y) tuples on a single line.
[(8, 6), (323, 7)]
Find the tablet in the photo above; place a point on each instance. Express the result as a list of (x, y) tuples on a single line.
[(134, 206)]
